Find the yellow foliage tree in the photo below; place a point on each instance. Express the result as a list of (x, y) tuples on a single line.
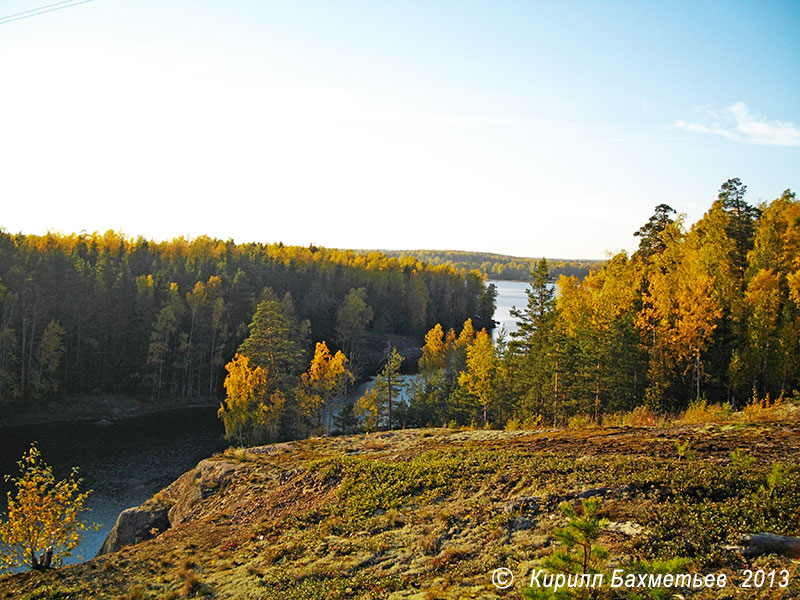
[(482, 365), (467, 335), (326, 378), (434, 352), (450, 339), (591, 312), (793, 280), (42, 526), (763, 299), (368, 407), (250, 413), (680, 309)]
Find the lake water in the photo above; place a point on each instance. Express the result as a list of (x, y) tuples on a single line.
[(509, 294), (126, 463)]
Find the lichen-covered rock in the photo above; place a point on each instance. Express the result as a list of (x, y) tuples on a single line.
[(626, 528)]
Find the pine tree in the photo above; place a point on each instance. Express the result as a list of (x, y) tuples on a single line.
[(163, 338), (580, 555), (741, 225), (536, 316), (377, 404), (534, 357), (346, 420), (352, 320), (50, 355), (650, 233), (394, 384), (272, 344)]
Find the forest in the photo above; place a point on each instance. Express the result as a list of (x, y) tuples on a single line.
[(706, 317), (497, 266), (107, 314)]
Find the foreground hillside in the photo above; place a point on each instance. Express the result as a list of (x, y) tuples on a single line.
[(431, 513)]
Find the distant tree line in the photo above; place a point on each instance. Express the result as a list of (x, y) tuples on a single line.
[(84, 313), (709, 314), (498, 266)]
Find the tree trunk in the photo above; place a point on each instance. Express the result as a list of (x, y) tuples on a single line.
[(44, 561), (555, 399), (389, 381), (187, 385), (211, 371), (597, 393), (697, 373)]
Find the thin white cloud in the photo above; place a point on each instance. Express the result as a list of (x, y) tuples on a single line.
[(738, 124)]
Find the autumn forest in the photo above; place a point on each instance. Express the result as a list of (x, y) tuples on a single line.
[(101, 313), (703, 314)]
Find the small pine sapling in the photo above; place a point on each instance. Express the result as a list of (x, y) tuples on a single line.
[(580, 555)]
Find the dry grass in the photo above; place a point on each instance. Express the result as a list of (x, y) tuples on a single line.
[(641, 416), (239, 454), (763, 409), (136, 593), (452, 555), (529, 423), (273, 554), (580, 422), (192, 584), (430, 542), (700, 411)]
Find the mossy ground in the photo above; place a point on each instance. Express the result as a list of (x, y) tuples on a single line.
[(428, 514)]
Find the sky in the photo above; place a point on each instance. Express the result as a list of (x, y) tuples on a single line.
[(524, 128)]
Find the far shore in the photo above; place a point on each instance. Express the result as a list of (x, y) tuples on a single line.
[(99, 407)]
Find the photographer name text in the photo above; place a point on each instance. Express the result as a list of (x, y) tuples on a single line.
[(620, 579)]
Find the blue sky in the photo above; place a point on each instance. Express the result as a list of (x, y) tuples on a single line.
[(517, 127)]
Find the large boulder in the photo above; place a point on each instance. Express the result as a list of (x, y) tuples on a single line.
[(756, 544), (170, 506), (133, 526)]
